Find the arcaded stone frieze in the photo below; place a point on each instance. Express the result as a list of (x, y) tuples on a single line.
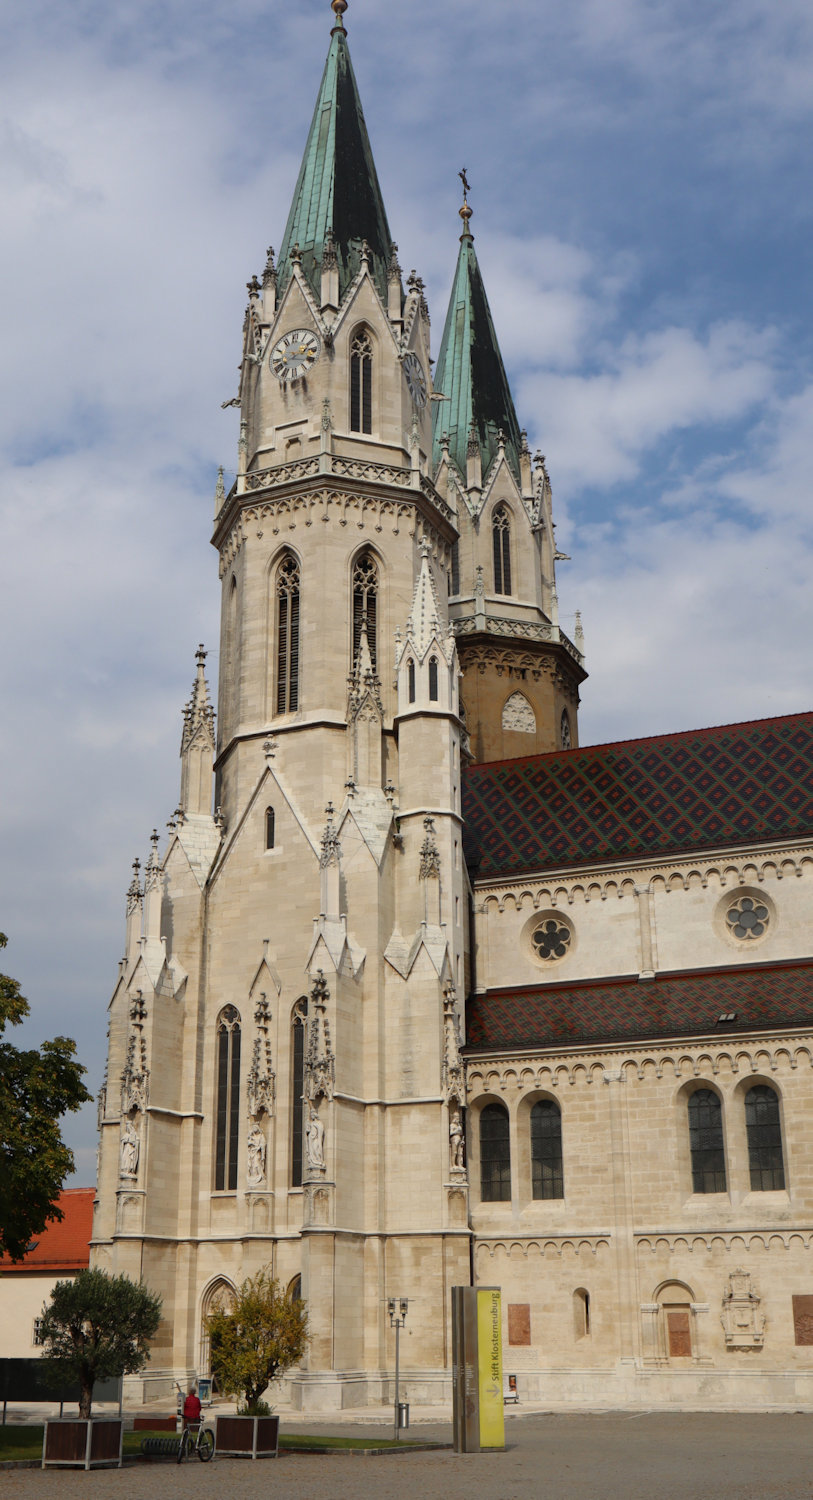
[(521, 1075), (729, 1240), (557, 1245), (616, 884)]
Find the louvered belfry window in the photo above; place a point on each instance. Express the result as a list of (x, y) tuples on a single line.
[(288, 636), (228, 1100), (361, 383), (365, 605), (501, 533), (299, 1023)]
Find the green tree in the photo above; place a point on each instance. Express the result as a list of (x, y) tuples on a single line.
[(97, 1327), (256, 1338), (36, 1088)]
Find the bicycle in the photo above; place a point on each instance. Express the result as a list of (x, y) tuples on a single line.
[(196, 1439)]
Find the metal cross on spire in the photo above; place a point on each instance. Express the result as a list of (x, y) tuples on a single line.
[(465, 212)]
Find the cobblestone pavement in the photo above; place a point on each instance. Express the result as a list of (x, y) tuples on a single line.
[(647, 1456)]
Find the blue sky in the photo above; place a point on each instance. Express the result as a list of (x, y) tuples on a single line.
[(640, 174)]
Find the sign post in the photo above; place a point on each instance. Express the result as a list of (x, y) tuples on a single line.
[(478, 1418)]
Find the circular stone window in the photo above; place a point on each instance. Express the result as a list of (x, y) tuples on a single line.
[(551, 939), (747, 918)]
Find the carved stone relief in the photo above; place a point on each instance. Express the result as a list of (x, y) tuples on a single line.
[(743, 1322), (518, 716)]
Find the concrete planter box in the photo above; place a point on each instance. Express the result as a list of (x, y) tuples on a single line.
[(83, 1443), (247, 1437)]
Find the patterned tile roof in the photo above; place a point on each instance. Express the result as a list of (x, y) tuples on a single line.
[(64, 1244), (665, 795), (626, 1009)]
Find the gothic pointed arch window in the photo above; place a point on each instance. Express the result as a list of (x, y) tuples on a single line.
[(433, 679), (361, 381), (288, 592), (501, 537), (411, 680), (270, 827), (365, 604), (299, 1022), (546, 1150), (227, 1108)]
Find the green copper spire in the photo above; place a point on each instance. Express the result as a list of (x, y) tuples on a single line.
[(338, 187), (470, 371)]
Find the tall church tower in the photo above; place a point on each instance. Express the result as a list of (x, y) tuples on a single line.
[(284, 1080), (521, 673)]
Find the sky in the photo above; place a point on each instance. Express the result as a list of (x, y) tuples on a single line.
[(641, 188)]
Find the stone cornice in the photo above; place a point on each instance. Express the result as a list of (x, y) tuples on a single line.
[(550, 1067), (620, 878), (360, 507)]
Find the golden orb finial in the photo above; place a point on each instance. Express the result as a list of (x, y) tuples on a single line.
[(339, 7)]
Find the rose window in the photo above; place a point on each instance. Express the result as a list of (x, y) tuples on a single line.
[(551, 939), (747, 918)]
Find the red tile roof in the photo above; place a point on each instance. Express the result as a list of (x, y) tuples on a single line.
[(665, 795), (671, 1005), (64, 1244)]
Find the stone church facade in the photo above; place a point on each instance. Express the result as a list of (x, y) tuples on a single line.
[(420, 991)]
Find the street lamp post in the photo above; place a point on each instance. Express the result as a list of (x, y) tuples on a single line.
[(397, 1308)]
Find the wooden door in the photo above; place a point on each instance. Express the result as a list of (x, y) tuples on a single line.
[(679, 1333)]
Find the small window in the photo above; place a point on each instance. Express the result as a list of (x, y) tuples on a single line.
[(495, 1155), (706, 1142), (227, 1115), (295, 1290), (565, 738), (546, 1150), (501, 534), (764, 1132), (581, 1313), (433, 679), (361, 383), (411, 681), (36, 1337), (270, 820), (455, 567)]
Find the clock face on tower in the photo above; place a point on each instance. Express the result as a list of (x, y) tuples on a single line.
[(295, 354), (415, 379)]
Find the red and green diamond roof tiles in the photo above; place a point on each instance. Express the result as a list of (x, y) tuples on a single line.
[(736, 784)]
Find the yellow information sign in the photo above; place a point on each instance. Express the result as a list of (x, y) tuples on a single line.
[(489, 1358)]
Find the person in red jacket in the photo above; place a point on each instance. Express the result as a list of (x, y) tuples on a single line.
[(191, 1408)]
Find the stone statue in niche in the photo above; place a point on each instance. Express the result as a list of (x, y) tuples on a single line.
[(129, 1150), (315, 1141), (456, 1140), (256, 1156), (743, 1322)]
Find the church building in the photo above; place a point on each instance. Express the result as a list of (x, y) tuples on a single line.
[(420, 993)]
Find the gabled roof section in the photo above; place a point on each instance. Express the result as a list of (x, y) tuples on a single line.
[(470, 372), (671, 1005), (64, 1244), (737, 784), (338, 186)]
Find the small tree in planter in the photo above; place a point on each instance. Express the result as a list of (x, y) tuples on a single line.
[(256, 1338), (98, 1326)]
